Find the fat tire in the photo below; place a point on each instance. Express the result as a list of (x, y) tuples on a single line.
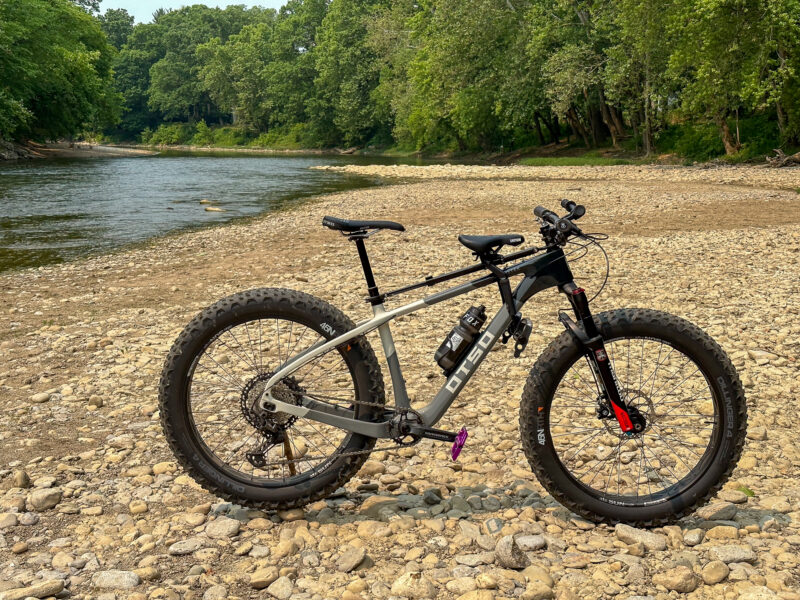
[(173, 404), (546, 375)]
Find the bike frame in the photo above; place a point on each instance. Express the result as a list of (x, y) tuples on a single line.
[(540, 273)]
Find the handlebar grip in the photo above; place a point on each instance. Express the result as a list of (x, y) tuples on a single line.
[(547, 215)]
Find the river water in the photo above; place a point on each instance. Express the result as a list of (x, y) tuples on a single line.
[(57, 209)]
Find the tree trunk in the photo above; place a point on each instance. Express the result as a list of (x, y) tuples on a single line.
[(647, 132), (731, 146), (552, 127), (577, 127), (538, 128), (605, 111), (781, 117), (616, 115)]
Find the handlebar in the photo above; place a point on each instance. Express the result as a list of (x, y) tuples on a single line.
[(560, 227)]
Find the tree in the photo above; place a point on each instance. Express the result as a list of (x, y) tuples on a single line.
[(55, 70), (716, 48), (347, 72), (117, 24)]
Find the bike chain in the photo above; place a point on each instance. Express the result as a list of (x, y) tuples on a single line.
[(397, 445)]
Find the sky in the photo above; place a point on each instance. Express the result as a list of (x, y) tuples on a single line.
[(143, 10)]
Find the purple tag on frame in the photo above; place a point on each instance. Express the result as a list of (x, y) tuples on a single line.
[(461, 439)]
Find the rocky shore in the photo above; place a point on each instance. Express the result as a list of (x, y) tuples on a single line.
[(93, 506)]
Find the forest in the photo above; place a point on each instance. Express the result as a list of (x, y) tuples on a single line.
[(698, 78)]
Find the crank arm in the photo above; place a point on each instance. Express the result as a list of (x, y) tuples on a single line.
[(315, 411)]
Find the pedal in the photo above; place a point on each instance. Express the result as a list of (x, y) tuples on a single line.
[(458, 444)]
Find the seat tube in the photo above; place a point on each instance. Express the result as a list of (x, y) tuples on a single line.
[(387, 341)]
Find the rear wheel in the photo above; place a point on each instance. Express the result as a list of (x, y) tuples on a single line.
[(215, 374), (675, 378)]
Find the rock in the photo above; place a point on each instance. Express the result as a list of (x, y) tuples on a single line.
[(20, 479), (538, 573), (293, 514), (717, 511), (631, 535), (8, 520), (137, 507), (478, 595), (723, 532), (263, 577), (461, 585), (281, 588), (371, 468), (733, 554), (350, 559), (509, 555), (779, 504), (44, 499), (19, 547), (714, 572), (216, 592), (43, 589), (529, 543), (536, 590), (758, 593), (757, 434), (222, 528), (373, 505), (116, 580), (40, 398), (680, 579), (413, 585), (693, 537), (186, 546), (734, 496)]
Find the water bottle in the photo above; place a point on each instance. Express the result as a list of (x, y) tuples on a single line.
[(460, 338)]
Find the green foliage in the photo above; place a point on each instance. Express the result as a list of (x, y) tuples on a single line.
[(170, 134), (117, 24), (202, 135), (698, 78), (55, 70), (695, 142)]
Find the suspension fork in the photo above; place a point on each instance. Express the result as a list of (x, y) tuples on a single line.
[(591, 339)]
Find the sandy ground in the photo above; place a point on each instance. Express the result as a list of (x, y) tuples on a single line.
[(82, 346)]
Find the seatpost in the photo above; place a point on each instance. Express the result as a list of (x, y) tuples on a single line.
[(372, 288)]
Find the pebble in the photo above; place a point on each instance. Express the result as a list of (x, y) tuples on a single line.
[(509, 555), (414, 586), (631, 535), (222, 528), (714, 572), (115, 579), (680, 579)]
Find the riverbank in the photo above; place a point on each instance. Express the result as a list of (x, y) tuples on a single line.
[(93, 500), (31, 150)]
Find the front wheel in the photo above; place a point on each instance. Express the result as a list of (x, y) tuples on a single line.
[(683, 385)]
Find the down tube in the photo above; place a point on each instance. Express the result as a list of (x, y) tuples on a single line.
[(469, 364)]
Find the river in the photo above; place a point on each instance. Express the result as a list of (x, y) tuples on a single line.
[(58, 209)]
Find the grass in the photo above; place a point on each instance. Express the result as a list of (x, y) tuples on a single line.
[(574, 161), (746, 491)]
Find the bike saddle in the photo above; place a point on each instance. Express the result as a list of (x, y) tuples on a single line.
[(350, 225), (484, 243)]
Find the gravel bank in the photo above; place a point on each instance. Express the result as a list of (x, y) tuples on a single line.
[(91, 502), (761, 176)]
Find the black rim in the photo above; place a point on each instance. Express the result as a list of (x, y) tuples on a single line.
[(219, 391), (679, 405)]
